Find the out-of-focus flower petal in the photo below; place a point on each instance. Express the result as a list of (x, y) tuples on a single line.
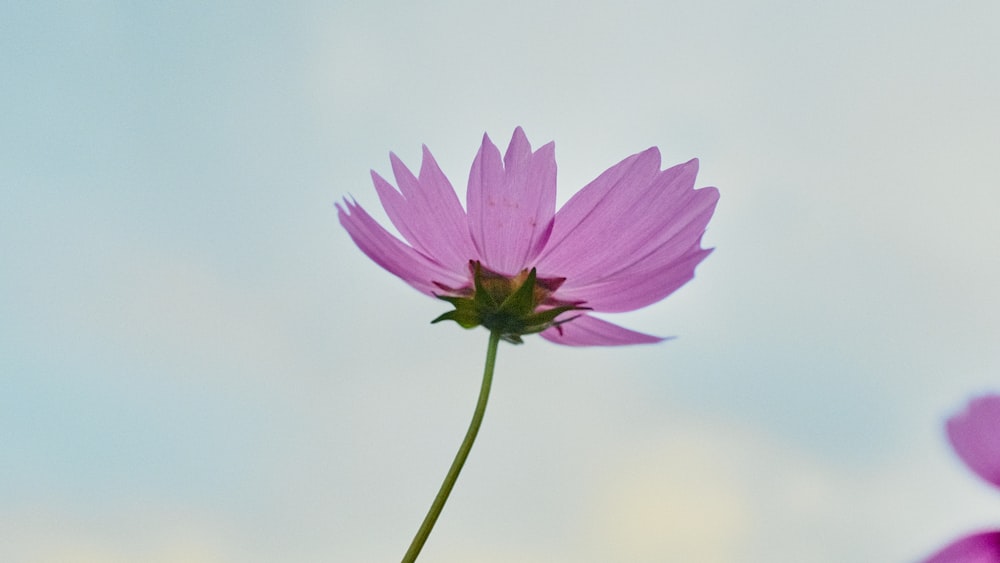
[(586, 330), (975, 435), (511, 203), (983, 547), (389, 252), (427, 212)]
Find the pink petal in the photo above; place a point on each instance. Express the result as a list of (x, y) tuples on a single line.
[(511, 203), (637, 287), (387, 251), (679, 226), (587, 230), (632, 236), (589, 331), (975, 435), (427, 212), (983, 547)]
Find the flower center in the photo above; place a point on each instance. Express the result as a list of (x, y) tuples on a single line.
[(513, 306)]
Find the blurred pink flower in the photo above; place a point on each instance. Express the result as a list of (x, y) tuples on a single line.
[(628, 239), (975, 435)]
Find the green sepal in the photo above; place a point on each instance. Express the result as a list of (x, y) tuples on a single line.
[(465, 312), (522, 301), (547, 318)]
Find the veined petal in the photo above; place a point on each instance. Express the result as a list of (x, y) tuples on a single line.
[(650, 275), (983, 547), (975, 435), (637, 288), (676, 223), (586, 231), (511, 202), (427, 212), (389, 252), (629, 222), (586, 330)]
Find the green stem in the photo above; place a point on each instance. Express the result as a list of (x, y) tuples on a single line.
[(463, 453)]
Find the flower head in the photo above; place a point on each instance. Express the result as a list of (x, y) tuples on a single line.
[(626, 240), (975, 436)]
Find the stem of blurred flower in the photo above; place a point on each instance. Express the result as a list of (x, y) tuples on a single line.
[(460, 457)]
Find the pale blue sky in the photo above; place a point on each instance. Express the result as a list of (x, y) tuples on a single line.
[(197, 365)]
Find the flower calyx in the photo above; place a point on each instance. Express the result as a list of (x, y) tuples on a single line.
[(513, 306)]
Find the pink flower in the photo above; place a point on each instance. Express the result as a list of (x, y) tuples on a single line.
[(628, 239), (975, 435)]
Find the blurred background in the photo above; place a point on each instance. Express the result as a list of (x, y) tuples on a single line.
[(198, 365)]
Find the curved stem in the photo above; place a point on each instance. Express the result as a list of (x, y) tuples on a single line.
[(460, 457)]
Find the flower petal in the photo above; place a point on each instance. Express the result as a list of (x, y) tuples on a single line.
[(511, 203), (651, 277), (427, 212), (389, 252), (586, 330), (638, 286), (636, 237), (983, 547), (975, 435), (588, 230)]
